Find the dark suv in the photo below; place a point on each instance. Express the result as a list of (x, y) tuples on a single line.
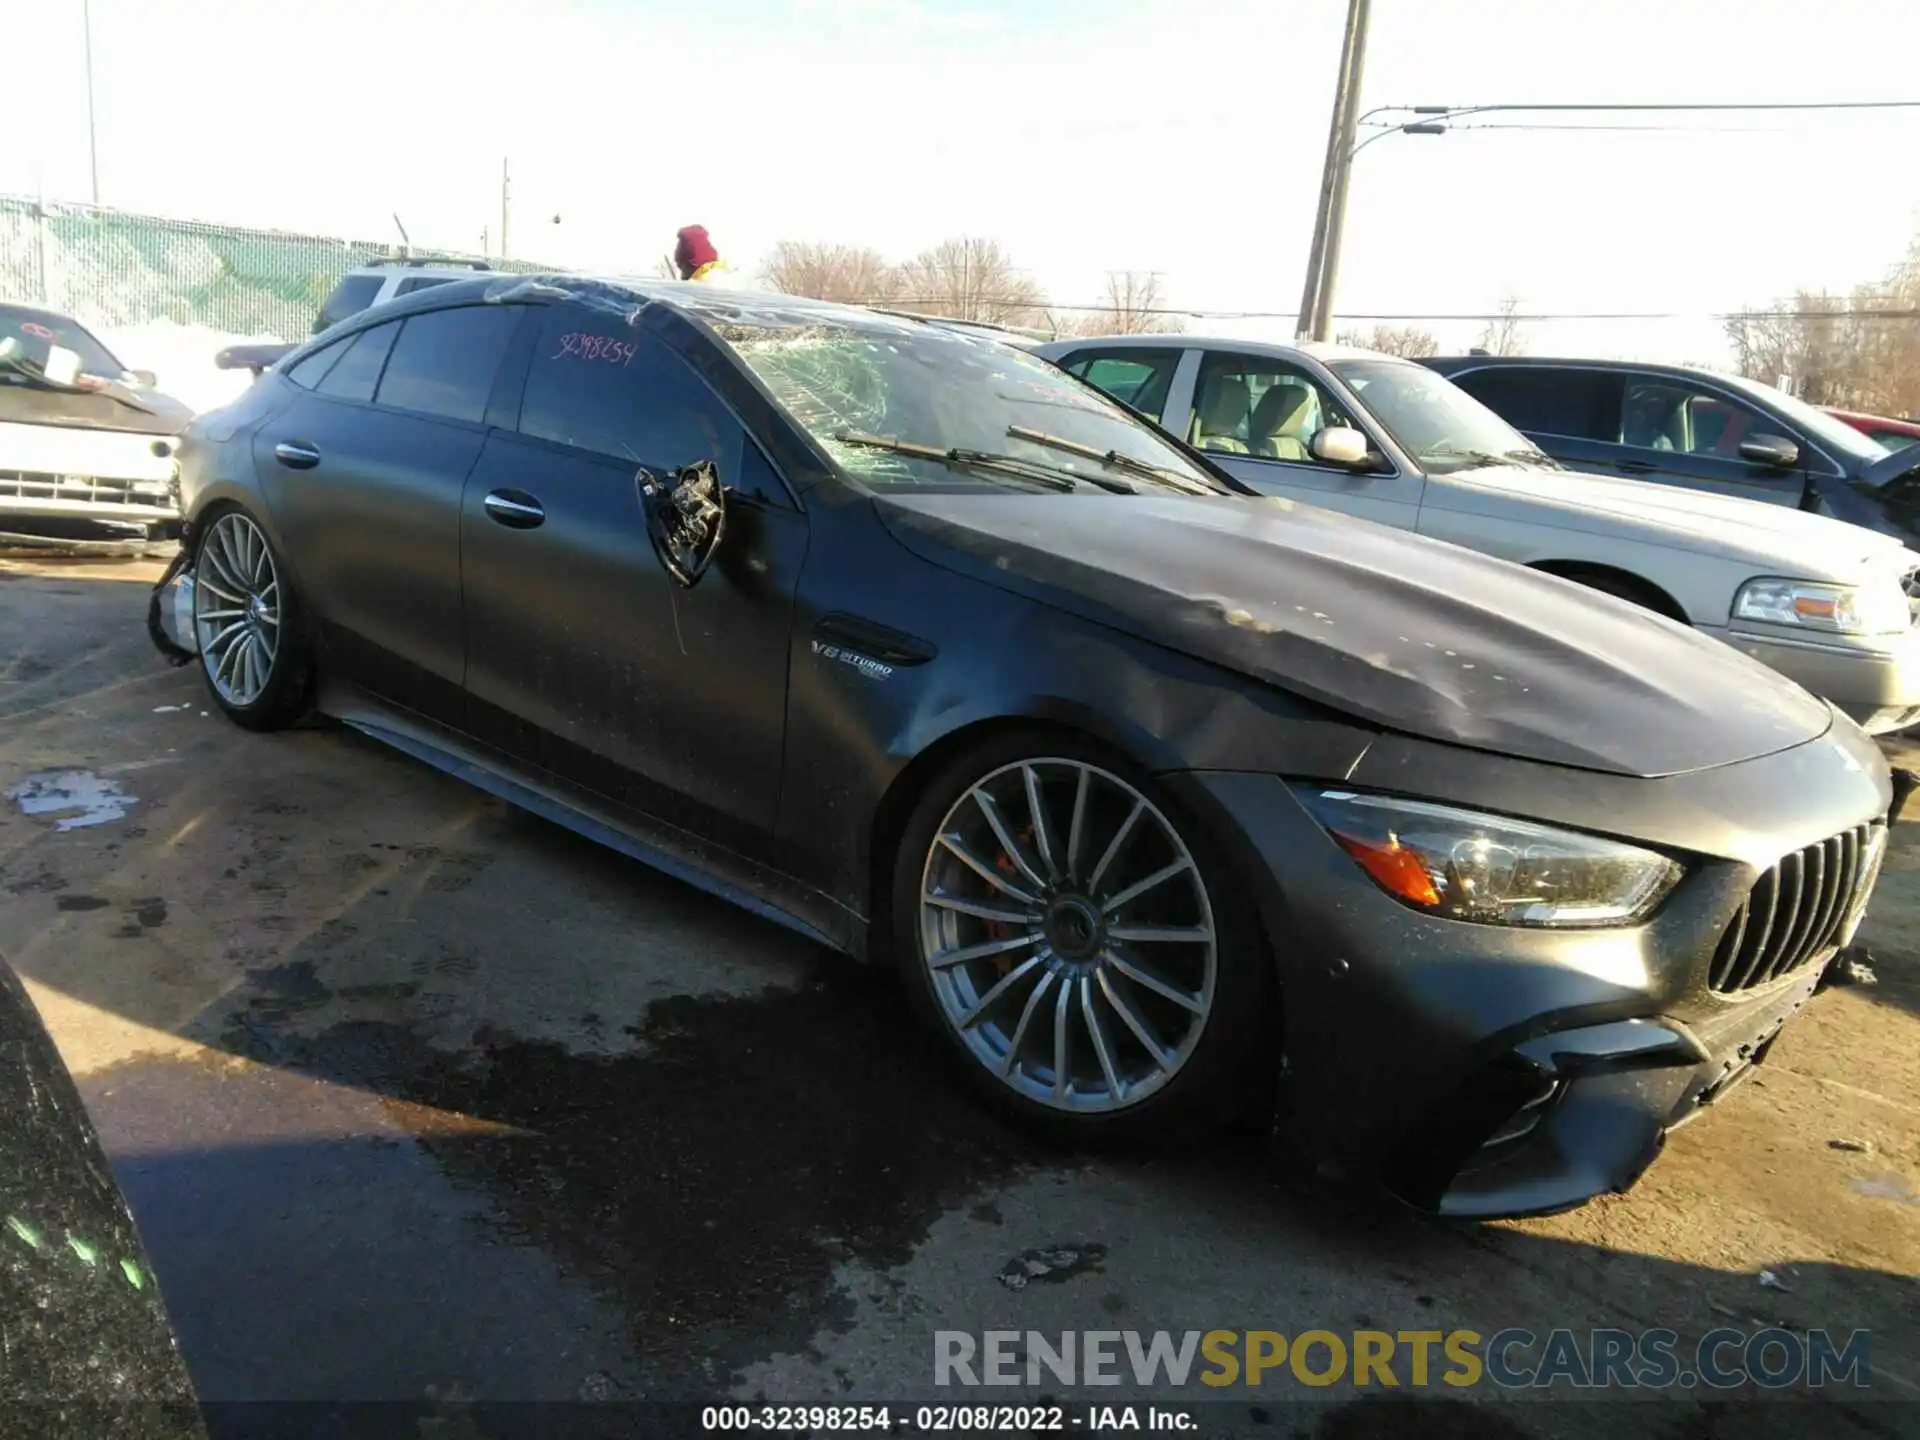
[(1680, 426)]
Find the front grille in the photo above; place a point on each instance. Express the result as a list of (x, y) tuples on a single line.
[(1796, 909), (39, 485)]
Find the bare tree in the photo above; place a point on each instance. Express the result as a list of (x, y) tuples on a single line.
[(1409, 341), (1502, 335), (1135, 306), (1855, 352), (971, 279), (846, 273)]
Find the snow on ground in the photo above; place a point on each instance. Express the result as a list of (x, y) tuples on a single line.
[(181, 358)]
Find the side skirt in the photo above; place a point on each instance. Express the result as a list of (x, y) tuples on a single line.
[(672, 851)]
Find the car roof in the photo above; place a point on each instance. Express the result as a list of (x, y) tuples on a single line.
[(1653, 367), (1882, 422), (705, 302), (1317, 349)]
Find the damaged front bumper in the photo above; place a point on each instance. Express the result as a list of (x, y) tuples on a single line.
[(1489, 1070), (1581, 1112), (170, 623)]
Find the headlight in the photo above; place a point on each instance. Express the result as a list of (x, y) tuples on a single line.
[(1489, 869), (1877, 609)]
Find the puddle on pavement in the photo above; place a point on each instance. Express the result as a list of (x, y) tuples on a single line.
[(709, 1184), (79, 797)]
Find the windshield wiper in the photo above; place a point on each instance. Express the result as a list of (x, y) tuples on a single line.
[(1044, 475), (1479, 457), (1529, 455), (1120, 460)]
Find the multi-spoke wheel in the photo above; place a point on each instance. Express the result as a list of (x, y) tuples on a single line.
[(1065, 932), (249, 651)]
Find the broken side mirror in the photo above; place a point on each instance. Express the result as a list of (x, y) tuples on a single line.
[(686, 514), (1340, 445), (1771, 450)]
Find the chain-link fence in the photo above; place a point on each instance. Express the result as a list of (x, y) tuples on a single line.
[(114, 267)]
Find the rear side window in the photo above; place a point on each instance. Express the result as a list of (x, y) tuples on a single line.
[(420, 282), (1137, 379), (597, 384), (358, 370), (350, 297), (1579, 404), (445, 360)]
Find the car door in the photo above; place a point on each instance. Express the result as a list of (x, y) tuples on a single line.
[(363, 474), (1256, 417), (585, 658)]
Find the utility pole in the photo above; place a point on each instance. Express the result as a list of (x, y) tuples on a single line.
[(506, 188), (93, 149), (1327, 224)]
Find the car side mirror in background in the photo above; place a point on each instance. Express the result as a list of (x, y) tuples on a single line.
[(146, 379), (1773, 450), (1340, 445), (686, 514)]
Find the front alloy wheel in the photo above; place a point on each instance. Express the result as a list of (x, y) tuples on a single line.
[(1067, 935), (236, 609), (243, 618)]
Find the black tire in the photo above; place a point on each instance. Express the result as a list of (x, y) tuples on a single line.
[(1220, 1082), (286, 693)]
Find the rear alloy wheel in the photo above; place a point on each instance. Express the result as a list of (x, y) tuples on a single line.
[(253, 660), (1065, 937)]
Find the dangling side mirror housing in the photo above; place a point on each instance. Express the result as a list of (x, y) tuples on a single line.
[(686, 514)]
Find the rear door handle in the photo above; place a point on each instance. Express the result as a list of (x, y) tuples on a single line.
[(514, 509), (296, 454)]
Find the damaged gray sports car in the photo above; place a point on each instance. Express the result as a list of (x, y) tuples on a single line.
[(1153, 790)]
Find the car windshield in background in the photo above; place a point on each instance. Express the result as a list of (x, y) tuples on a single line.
[(995, 409), (1829, 430), (52, 329), (1431, 418)]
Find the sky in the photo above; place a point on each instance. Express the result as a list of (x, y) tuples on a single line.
[(1086, 136)]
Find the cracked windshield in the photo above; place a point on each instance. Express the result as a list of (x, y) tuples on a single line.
[(773, 716)]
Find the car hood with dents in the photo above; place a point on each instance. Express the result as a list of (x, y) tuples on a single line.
[(1776, 539), (1410, 634), (109, 406)]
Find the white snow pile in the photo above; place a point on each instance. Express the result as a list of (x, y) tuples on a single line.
[(181, 358)]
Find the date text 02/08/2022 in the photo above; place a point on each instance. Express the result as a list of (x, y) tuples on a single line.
[(943, 1419)]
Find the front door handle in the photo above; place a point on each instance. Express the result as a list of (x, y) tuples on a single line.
[(1638, 467), (296, 454), (514, 509)]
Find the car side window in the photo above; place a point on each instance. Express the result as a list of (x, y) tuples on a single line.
[(357, 373), (420, 282), (445, 361), (350, 297), (1261, 408), (1577, 404), (1138, 379), (596, 384), (1690, 420), (310, 370)]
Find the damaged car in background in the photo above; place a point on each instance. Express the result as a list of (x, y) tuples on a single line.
[(86, 445), (1163, 797)]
